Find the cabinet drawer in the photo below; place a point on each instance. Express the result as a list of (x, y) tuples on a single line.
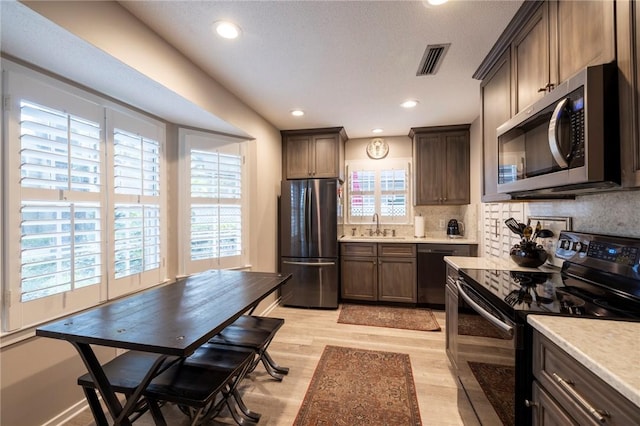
[(358, 249), (547, 412), (397, 250), (577, 389)]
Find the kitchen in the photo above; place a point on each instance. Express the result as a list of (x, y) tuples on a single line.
[(587, 212)]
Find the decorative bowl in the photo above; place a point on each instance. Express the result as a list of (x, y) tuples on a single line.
[(528, 255)]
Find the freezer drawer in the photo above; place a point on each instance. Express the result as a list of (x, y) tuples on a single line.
[(314, 282)]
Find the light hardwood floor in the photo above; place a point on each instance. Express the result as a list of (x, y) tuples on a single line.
[(299, 344)]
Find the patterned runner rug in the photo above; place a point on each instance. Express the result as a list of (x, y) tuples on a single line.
[(389, 316), (360, 387)]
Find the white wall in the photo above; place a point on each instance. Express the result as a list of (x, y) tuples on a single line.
[(38, 376)]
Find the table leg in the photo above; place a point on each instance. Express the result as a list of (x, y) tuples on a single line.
[(96, 407), (117, 411)]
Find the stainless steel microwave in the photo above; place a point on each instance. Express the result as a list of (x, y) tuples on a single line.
[(566, 143)]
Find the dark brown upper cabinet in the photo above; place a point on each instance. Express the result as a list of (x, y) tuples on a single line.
[(441, 163)]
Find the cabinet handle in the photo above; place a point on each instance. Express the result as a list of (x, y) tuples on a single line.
[(530, 404), (547, 88), (599, 415)]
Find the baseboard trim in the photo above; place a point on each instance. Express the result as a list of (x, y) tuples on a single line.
[(68, 414)]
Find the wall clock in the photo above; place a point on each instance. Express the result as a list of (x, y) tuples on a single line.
[(377, 149)]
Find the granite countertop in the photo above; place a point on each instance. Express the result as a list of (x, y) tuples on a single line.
[(610, 349), (429, 239)]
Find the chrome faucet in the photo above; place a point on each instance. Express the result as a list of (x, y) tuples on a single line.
[(376, 219)]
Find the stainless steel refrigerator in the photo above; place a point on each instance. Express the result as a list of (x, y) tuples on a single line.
[(309, 211)]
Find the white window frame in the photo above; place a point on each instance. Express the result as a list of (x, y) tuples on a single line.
[(21, 83), (207, 141), (378, 166), (47, 92)]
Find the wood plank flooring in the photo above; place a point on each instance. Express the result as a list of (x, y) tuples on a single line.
[(299, 344)]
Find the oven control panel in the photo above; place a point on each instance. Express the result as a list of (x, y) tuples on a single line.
[(603, 252)]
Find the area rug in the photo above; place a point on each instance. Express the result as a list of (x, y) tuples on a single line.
[(389, 316), (475, 325), (360, 387), (497, 383)]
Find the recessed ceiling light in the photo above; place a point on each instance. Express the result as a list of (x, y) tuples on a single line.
[(226, 29), (297, 112), (378, 130), (409, 104), (436, 2)]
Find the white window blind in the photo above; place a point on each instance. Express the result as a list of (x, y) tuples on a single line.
[(59, 151), (61, 248), (216, 210), (60, 241), (138, 206), (378, 187), (213, 202), (136, 226), (67, 219)]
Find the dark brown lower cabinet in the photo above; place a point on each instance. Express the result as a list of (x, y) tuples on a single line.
[(378, 272), (565, 392)]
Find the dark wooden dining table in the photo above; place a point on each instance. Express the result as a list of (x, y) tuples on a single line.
[(172, 321)]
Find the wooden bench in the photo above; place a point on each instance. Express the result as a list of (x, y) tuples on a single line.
[(254, 332), (200, 385)]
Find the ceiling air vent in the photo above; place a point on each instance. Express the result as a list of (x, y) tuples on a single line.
[(432, 59)]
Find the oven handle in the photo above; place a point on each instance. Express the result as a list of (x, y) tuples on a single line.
[(508, 329)]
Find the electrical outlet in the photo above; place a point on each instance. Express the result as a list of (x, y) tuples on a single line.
[(441, 224)]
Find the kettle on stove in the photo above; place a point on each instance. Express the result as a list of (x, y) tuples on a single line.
[(455, 229)]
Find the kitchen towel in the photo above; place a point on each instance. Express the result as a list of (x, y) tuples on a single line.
[(418, 226)]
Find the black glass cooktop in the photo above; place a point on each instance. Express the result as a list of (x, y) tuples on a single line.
[(547, 292)]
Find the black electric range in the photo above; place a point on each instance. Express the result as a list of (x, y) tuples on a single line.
[(561, 292), (600, 278)]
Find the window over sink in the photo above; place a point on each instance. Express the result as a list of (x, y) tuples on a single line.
[(378, 187)]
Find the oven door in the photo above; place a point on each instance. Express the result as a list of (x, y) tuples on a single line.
[(486, 349)]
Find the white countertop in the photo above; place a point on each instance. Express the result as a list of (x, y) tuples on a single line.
[(610, 349), (429, 239), (462, 262)]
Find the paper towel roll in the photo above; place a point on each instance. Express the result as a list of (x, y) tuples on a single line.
[(418, 226)]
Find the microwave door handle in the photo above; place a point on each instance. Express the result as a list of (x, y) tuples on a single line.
[(554, 143)]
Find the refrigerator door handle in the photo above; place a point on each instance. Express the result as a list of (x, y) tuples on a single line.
[(309, 263), (307, 215)]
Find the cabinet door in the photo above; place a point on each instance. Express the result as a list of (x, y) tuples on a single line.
[(530, 52), (397, 279), (359, 278), (496, 109), (456, 179), (628, 58), (325, 157), (546, 411), (429, 168), (585, 35), (298, 155)]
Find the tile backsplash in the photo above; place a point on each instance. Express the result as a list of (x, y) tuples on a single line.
[(611, 213)]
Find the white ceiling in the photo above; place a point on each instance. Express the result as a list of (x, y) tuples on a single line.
[(345, 63)]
